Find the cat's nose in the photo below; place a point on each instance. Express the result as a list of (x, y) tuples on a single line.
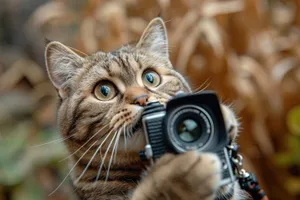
[(141, 100), (136, 95)]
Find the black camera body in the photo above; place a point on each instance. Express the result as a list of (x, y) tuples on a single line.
[(188, 122)]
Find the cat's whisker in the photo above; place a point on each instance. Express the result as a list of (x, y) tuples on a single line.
[(115, 147), (127, 132), (118, 138), (71, 169), (198, 88), (131, 131), (51, 142), (84, 143), (222, 194), (92, 158), (203, 86), (125, 137), (103, 160)]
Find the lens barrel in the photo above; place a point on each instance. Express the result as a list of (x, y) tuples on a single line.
[(190, 127)]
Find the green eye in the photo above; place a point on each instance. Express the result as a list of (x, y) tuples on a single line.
[(151, 78), (105, 91)]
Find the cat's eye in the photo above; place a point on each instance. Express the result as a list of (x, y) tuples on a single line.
[(151, 78), (105, 91)]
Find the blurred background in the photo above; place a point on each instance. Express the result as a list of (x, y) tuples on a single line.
[(246, 50)]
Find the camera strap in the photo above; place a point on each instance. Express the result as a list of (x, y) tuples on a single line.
[(247, 181)]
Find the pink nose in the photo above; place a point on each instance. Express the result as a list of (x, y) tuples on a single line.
[(141, 100)]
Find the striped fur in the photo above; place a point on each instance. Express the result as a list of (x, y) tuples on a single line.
[(104, 160)]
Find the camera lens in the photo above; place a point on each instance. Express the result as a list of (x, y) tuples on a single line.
[(188, 130), (190, 127)]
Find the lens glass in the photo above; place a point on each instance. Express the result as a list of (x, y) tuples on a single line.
[(188, 130)]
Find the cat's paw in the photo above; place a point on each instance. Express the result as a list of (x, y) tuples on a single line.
[(231, 122), (186, 176)]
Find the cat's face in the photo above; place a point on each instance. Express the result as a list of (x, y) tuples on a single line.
[(103, 95)]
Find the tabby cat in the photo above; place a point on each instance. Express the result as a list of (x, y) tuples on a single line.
[(101, 98)]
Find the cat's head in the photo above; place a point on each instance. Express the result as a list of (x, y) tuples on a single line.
[(103, 95)]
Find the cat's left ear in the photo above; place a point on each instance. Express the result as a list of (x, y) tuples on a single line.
[(155, 38), (62, 65)]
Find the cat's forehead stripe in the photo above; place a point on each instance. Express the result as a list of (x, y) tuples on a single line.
[(134, 63), (113, 69), (106, 66), (124, 62), (139, 63), (126, 72)]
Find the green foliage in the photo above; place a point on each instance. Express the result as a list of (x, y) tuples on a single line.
[(21, 158), (291, 156)]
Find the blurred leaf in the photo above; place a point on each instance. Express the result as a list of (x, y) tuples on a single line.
[(290, 157), (294, 146), (283, 159), (17, 159), (12, 148), (29, 190), (293, 185), (293, 121), (13, 142)]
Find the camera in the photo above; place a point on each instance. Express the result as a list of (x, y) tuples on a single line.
[(187, 122)]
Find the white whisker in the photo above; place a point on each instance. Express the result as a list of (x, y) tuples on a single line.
[(103, 160), (118, 138), (220, 193), (92, 158), (83, 144), (127, 131), (51, 142), (131, 131), (125, 137), (204, 88), (112, 154), (72, 169), (205, 84)]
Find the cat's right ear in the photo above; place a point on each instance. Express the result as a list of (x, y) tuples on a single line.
[(155, 38), (62, 64)]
